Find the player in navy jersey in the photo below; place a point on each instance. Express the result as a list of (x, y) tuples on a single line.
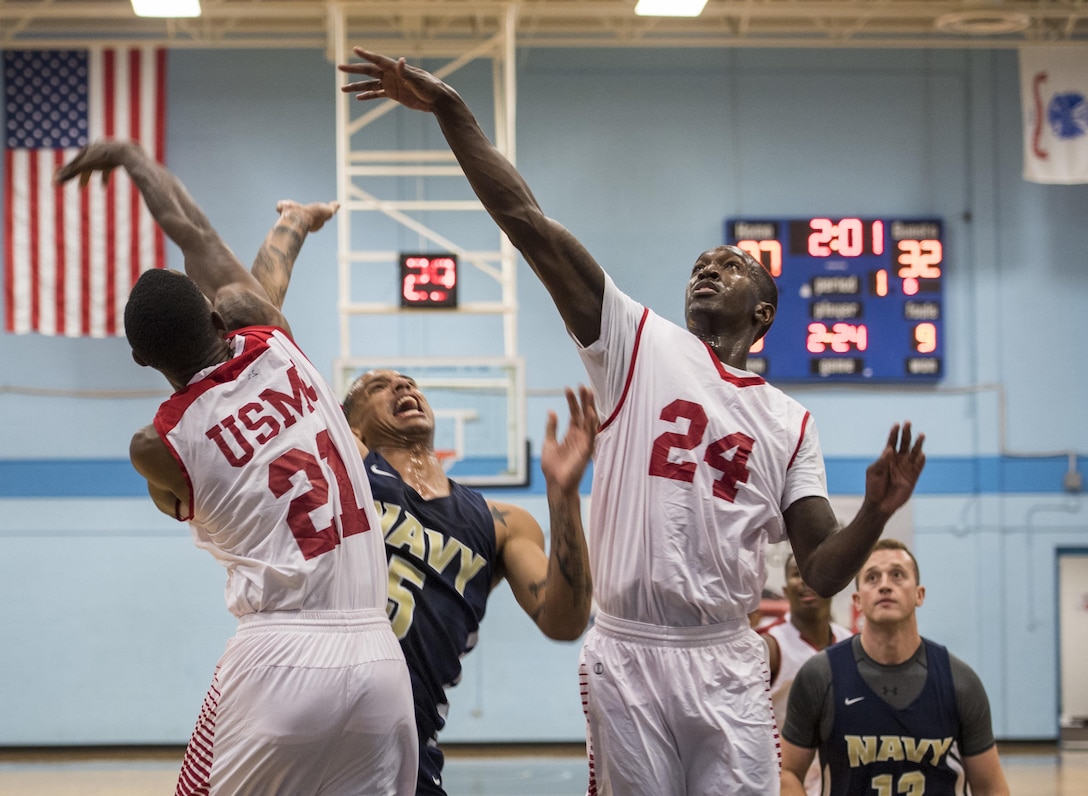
[(448, 546), (312, 694), (890, 711), (699, 464)]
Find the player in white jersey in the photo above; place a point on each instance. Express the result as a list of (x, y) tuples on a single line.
[(794, 638), (699, 464), (312, 693)]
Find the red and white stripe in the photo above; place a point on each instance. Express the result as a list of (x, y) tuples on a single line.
[(73, 254), (196, 767)]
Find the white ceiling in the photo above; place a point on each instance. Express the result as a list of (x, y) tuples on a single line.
[(433, 25)]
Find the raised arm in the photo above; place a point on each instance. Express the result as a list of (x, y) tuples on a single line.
[(568, 271), (275, 260), (555, 590), (828, 556), (208, 260)]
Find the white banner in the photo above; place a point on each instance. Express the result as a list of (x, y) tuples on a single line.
[(1054, 95)]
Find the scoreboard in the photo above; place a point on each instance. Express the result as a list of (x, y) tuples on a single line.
[(859, 299)]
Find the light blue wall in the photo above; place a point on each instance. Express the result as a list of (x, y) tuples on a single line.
[(112, 621)]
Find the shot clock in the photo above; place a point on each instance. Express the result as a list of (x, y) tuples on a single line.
[(860, 299), (428, 281)]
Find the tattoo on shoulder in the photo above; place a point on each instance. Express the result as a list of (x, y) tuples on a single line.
[(497, 514)]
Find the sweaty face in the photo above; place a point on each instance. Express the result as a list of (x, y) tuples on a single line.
[(388, 408), (722, 285), (888, 591)]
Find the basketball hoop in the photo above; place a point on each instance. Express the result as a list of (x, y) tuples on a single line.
[(446, 457)]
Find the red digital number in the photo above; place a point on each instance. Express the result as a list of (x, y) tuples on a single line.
[(758, 248), (920, 259), (352, 520), (734, 469), (840, 338), (925, 338), (846, 238), (429, 279), (820, 238)]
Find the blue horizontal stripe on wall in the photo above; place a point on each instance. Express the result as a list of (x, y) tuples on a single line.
[(845, 476)]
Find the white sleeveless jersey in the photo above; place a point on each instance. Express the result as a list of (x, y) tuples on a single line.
[(278, 492), (694, 465), (793, 651)]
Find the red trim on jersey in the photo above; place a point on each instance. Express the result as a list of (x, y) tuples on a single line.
[(630, 370), (779, 621), (736, 381), (800, 439), (255, 343)]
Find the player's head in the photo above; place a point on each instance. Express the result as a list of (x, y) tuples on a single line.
[(802, 599), (888, 588), (387, 408), (728, 287), (169, 324)]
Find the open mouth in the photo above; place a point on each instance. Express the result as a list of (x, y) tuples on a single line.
[(406, 405)]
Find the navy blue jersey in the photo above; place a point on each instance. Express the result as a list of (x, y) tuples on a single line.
[(441, 562), (876, 749)]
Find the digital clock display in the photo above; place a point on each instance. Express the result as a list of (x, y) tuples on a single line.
[(860, 299), (428, 280)]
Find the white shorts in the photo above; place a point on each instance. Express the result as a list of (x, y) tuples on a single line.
[(678, 710), (306, 703)]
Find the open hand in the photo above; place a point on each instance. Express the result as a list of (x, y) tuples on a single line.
[(392, 79), (564, 462), (890, 480), (103, 155)]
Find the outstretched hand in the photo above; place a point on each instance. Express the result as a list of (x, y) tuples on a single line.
[(103, 155), (564, 462), (313, 215), (890, 480), (392, 79)]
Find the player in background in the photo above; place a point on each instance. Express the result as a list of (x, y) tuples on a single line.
[(805, 629), (890, 711)]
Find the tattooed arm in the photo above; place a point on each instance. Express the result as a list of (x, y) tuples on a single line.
[(555, 589), (275, 260)]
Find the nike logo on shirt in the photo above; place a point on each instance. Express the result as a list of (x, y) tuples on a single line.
[(852, 700), (377, 471)]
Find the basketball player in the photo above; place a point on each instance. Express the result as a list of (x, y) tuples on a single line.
[(792, 639), (312, 695), (699, 464), (448, 546), (890, 711)]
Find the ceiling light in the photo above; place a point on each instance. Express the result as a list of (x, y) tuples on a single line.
[(983, 23), (669, 8), (166, 8)]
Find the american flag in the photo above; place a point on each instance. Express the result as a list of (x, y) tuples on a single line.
[(70, 254)]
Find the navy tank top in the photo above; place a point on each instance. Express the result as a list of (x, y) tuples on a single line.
[(876, 749)]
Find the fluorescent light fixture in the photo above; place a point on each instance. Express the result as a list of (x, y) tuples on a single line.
[(669, 8), (166, 8)]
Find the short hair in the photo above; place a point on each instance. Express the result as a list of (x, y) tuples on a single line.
[(892, 544), (168, 321), (352, 397), (766, 288)]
